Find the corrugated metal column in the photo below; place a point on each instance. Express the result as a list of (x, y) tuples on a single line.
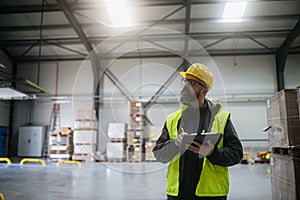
[(282, 53)]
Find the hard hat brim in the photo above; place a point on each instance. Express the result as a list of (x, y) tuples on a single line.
[(183, 74)]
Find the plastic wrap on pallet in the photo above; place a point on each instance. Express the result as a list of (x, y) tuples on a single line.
[(116, 130), (115, 151), (285, 177), (283, 118), (85, 137)]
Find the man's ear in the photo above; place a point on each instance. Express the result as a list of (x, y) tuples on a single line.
[(204, 92)]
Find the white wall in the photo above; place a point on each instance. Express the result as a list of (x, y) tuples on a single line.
[(241, 89), (246, 80)]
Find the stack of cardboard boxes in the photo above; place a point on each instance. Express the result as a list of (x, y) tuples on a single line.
[(135, 134), (151, 135), (284, 138), (85, 135), (61, 144)]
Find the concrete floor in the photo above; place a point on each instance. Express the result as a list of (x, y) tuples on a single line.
[(122, 181)]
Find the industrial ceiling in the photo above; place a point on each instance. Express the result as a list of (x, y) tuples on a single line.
[(48, 30), (38, 30)]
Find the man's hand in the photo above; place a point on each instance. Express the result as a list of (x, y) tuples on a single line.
[(201, 149), (178, 140)]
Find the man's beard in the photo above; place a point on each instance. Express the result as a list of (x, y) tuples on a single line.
[(186, 97)]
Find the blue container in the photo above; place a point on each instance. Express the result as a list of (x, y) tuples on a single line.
[(3, 141)]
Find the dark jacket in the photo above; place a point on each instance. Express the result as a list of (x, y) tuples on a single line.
[(231, 153)]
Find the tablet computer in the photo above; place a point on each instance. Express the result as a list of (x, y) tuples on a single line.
[(202, 138)]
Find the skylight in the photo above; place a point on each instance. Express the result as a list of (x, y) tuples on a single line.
[(119, 13), (234, 9)]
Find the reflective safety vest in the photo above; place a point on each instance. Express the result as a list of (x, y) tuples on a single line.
[(214, 179)]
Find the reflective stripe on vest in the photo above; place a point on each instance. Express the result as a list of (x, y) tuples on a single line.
[(214, 179)]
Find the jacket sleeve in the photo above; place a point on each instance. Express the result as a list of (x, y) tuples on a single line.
[(165, 148), (232, 151)]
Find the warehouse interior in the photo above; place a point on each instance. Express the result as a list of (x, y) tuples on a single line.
[(86, 87)]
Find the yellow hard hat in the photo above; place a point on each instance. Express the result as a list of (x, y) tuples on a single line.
[(201, 72), (1, 196)]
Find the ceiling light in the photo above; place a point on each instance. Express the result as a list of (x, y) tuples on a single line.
[(234, 9), (119, 13)]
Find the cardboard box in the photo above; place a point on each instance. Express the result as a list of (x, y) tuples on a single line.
[(85, 137), (149, 156), (283, 117), (66, 131), (86, 124), (83, 114), (134, 152), (134, 137), (115, 151), (84, 149), (136, 108), (116, 130), (136, 122)]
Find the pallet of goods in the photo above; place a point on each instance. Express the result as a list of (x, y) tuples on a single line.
[(61, 144), (283, 119), (151, 134), (115, 149), (284, 138), (135, 134), (85, 135)]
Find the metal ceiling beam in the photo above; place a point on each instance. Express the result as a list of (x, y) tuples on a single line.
[(281, 55), (165, 37), (94, 59), (7, 53), (217, 42), (163, 87), (34, 27), (221, 20), (187, 34), (221, 52), (66, 48), (118, 84), (260, 43), (27, 9), (91, 5), (49, 58), (31, 46), (150, 23), (77, 27)]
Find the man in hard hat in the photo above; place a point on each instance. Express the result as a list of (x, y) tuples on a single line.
[(200, 171)]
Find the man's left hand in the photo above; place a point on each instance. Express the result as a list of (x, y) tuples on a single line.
[(201, 149)]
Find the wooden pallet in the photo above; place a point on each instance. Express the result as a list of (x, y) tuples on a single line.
[(262, 161), (290, 151), (116, 160), (134, 161), (83, 157), (117, 140)]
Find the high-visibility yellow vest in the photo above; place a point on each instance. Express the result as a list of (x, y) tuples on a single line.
[(214, 179)]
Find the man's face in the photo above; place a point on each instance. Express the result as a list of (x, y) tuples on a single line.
[(192, 90)]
